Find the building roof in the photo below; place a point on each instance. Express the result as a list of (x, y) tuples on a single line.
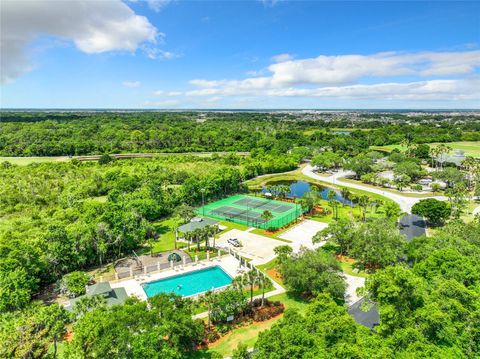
[(457, 157), (112, 296), (198, 222), (412, 226), (98, 288), (369, 318)]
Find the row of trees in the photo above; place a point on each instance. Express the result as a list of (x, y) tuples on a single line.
[(94, 133), (427, 309)]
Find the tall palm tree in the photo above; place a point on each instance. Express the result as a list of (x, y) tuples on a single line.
[(197, 235), (264, 282), (251, 278), (207, 299), (363, 202), (346, 194)]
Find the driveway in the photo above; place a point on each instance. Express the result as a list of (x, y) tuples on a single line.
[(406, 203), (302, 234), (353, 283), (256, 247)]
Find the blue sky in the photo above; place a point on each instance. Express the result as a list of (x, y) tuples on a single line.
[(240, 54)]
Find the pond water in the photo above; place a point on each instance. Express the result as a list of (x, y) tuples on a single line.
[(298, 189)]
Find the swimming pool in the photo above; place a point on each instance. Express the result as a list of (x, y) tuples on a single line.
[(189, 283)]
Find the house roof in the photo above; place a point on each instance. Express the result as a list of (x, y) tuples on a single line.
[(369, 318), (412, 226), (199, 222), (112, 296), (98, 288)]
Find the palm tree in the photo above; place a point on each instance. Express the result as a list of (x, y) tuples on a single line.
[(208, 299), (251, 278), (264, 282), (266, 216), (363, 202), (346, 194), (197, 235), (215, 230)]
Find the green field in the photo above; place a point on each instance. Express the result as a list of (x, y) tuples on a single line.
[(471, 148), (24, 161)]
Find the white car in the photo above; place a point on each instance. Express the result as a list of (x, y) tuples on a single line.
[(234, 242)]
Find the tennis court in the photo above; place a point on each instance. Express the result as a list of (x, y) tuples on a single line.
[(249, 211)]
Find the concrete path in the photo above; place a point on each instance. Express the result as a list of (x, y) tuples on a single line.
[(404, 202), (476, 211)]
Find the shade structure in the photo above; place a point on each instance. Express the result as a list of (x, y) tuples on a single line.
[(174, 257)]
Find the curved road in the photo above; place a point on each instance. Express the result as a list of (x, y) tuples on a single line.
[(405, 202)]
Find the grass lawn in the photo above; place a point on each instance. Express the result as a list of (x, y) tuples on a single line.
[(24, 161), (269, 269), (348, 269), (471, 148), (468, 215)]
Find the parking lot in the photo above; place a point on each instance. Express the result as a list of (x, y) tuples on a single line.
[(302, 234), (254, 246)]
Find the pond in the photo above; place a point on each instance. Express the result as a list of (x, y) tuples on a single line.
[(298, 189)]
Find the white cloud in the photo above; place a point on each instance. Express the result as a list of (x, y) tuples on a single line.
[(93, 26), (342, 77), (131, 84), (167, 93), (166, 103), (156, 53), (158, 5), (282, 58)]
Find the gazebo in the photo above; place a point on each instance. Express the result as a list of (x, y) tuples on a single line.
[(195, 223), (174, 257)]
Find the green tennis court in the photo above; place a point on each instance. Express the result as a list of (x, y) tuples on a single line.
[(249, 211)]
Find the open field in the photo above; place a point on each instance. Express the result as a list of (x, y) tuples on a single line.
[(24, 161), (471, 148)]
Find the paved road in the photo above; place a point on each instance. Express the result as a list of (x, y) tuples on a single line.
[(412, 226), (405, 202)]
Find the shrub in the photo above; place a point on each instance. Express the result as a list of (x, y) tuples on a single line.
[(74, 283)]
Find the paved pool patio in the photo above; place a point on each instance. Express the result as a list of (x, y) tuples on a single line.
[(133, 286)]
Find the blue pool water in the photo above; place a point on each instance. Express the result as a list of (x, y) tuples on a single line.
[(189, 283)]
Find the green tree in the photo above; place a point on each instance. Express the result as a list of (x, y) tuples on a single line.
[(377, 244), (341, 232), (433, 210), (74, 283), (282, 252), (312, 272), (160, 328)]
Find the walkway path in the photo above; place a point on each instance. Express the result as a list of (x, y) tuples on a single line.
[(476, 211), (405, 202)]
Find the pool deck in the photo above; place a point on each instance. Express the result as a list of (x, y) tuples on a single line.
[(133, 286)]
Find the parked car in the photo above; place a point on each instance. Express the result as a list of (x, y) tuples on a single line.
[(234, 242)]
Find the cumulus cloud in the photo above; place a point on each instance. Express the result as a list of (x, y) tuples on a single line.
[(131, 84), (93, 26), (282, 58), (342, 77)]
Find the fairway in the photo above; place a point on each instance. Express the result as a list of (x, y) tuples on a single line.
[(471, 148), (24, 161)]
